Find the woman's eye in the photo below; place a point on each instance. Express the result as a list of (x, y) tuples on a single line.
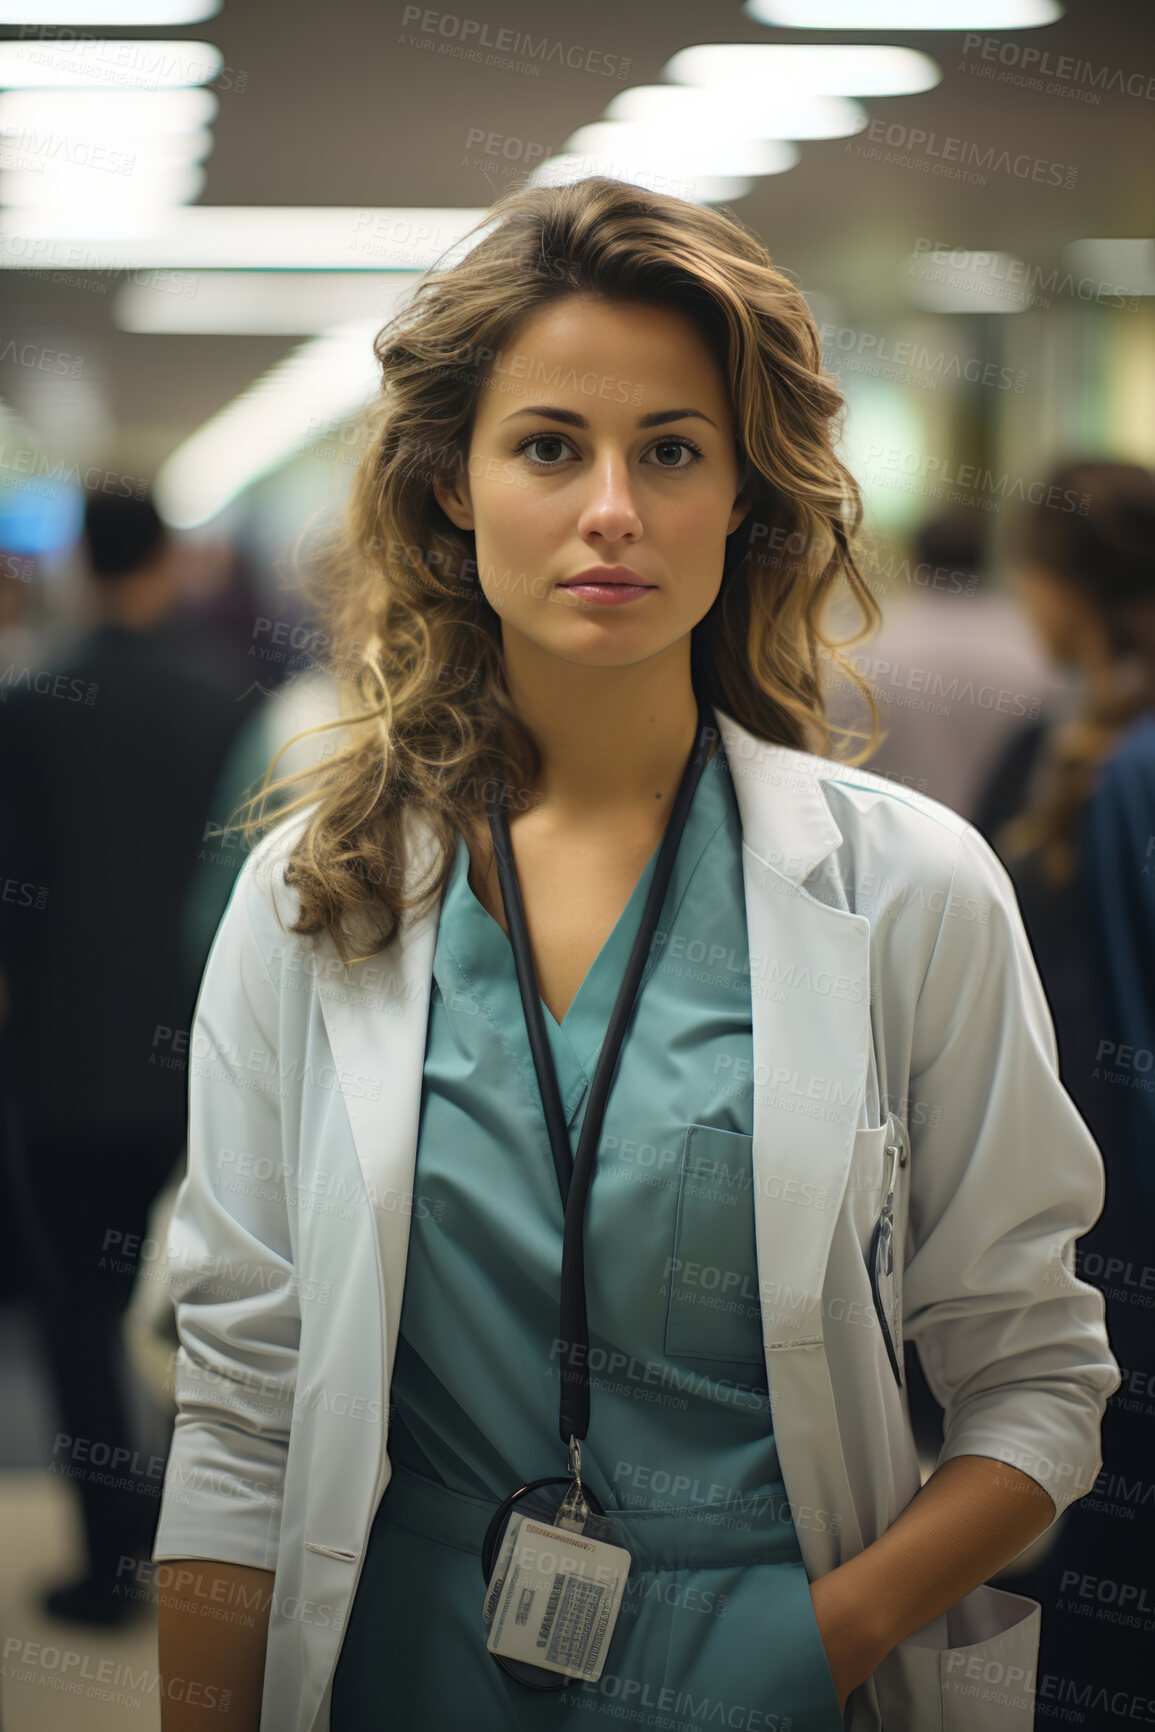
[(679, 446), (557, 447), (553, 439)]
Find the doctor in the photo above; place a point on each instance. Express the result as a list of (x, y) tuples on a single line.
[(835, 1123)]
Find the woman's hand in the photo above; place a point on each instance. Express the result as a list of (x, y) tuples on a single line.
[(972, 1516), (852, 1649)]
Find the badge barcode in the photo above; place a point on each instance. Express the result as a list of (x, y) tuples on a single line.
[(550, 1610), (578, 1629)]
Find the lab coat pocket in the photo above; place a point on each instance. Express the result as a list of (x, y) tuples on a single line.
[(984, 1684), (713, 1309)]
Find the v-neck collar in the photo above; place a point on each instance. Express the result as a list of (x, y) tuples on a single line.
[(482, 954)]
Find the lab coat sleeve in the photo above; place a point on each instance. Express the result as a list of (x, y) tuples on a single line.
[(231, 1258), (1004, 1177)]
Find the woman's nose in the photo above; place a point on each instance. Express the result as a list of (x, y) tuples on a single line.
[(610, 508)]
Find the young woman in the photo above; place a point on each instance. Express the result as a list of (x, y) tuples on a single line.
[(579, 811)]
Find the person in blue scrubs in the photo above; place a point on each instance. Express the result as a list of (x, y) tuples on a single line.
[(717, 1616)]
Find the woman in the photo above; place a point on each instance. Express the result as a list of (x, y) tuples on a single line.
[(821, 1136), (1071, 809)]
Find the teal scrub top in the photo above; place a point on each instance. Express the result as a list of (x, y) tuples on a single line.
[(717, 1625), (679, 1404)]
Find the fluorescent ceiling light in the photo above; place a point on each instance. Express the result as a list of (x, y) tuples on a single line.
[(564, 169), (132, 14), (966, 282), (73, 192), (97, 63), (117, 153), (750, 113), (1128, 265), (260, 303), (252, 237), (105, 112), (682, 150), (804, 69), (325, 380), (905, 14)]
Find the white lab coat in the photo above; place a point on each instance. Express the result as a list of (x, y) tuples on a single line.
[(896, 1007)]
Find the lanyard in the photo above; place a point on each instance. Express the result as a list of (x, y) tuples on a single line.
[(575, 1175)]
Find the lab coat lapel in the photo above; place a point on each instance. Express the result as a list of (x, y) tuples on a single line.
[(376, 1015), (810, 1000), (810, 1014)]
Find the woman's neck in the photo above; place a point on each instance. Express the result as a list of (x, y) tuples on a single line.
[(613, 739)]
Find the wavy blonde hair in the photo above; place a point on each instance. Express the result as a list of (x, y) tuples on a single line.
[(425, 707)]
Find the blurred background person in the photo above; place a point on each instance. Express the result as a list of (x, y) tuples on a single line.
[(109, 762), (1070, 807), (1063, 805), (18, 638), (973, 652)]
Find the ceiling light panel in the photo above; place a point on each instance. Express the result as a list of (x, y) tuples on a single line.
[(71, 192), (749, 112), (260, 303), (1129, 265), (804, 69), (97, 63), (105, 14), (104, 112), (966, 282), (904, 14), (251, 237)]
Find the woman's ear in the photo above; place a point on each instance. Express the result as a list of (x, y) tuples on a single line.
[(741, 506), (453, 498)]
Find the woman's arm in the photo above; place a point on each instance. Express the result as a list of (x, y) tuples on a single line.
[(971, 1517), (212, 1668), (1004, 1178), (236, 1290)]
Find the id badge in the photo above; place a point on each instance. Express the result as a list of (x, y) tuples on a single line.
[(500, 1568), (558, 1599)]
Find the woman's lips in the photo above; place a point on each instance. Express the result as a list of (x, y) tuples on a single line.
[(616, 584), (612, 594)]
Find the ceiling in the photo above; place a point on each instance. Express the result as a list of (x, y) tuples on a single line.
[(338, 107)]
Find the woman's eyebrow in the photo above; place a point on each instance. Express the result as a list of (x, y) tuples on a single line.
[(656, 418)]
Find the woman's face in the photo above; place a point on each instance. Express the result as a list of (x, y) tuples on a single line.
[(603, 438)]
